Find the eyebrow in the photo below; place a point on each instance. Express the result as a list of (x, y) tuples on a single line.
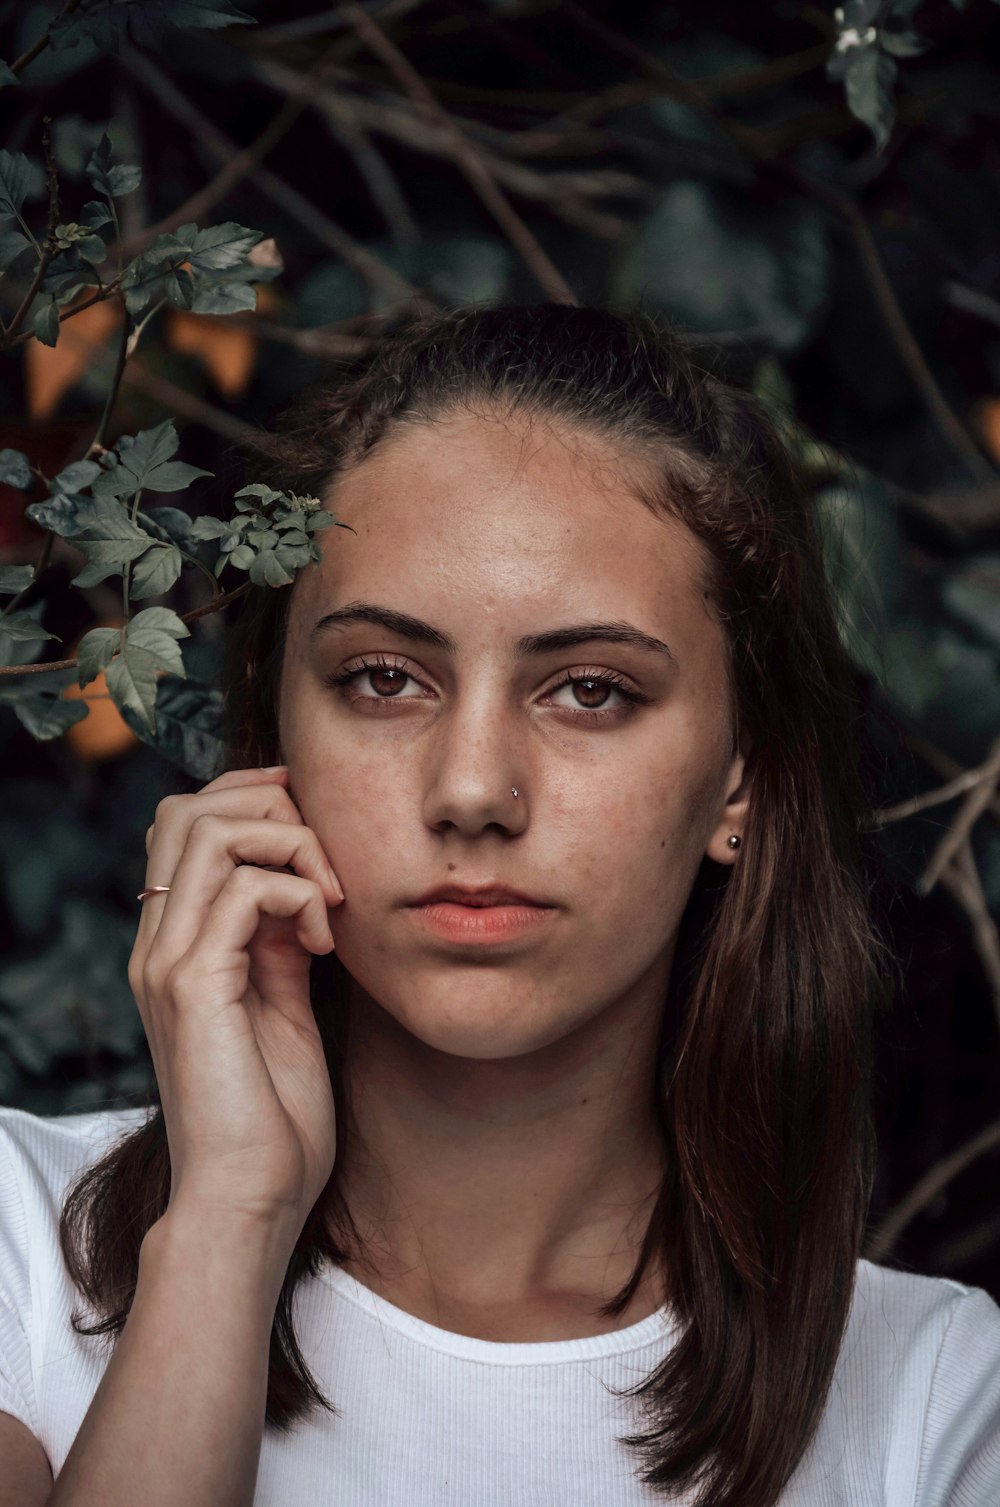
[(531, 644)]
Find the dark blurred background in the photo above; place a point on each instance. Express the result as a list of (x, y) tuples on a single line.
[(815, 196)]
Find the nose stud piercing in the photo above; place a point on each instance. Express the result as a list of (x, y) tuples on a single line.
[(513, 791), (734, 842)]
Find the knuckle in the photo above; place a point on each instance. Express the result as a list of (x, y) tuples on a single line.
[(207, 825)]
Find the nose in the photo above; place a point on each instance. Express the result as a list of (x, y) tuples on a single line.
[(475, 761)]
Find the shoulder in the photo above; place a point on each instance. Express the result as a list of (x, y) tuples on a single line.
[(922, 1355), (40, 1157)]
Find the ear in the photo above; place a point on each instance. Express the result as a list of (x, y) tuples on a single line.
[(732, 814)]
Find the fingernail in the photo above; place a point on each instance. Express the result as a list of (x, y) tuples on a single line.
[(272, 768)]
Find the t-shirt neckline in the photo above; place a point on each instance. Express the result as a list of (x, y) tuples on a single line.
[(656, 1327)]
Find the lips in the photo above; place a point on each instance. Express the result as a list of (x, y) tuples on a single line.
[(478, 896)]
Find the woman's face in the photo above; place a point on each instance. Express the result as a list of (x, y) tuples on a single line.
[(492, 534)]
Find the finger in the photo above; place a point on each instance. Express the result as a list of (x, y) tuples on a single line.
[(219, 950), (216, 846), (175, 814), (233, 779)]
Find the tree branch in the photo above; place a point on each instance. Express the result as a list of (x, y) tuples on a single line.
[(19, 65), (365, 262), (975, 803), (467, 156), (761, 152), (933, 1182)]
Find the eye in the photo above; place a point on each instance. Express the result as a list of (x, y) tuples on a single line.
[(386, 678), (596, 690)]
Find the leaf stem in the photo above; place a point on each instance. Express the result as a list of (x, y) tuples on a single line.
[(46, 252), (185, 555), (186, 617), (40, 566), (97, 443)]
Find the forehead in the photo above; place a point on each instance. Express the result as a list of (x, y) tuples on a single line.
[(511, 514)]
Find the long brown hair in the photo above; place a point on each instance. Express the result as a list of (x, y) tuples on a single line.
[(763, 1081)]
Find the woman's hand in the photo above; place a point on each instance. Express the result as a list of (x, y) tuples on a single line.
[(220, 972)]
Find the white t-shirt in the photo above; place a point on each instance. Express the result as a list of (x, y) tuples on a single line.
[(428, 1418)]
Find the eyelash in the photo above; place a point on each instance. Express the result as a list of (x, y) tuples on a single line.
[(342, 681)]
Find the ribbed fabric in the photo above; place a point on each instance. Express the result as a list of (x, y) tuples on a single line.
[(427, 1418)]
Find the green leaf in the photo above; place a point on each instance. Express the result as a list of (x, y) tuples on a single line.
[(95, 215), (60, 514), (224, 298), (868, 82), (14, 578), (15, 183), (15, 471), (142, 22), (209, 528), (46, 323), (156, 571), (131, 679), (7, 75), (173, 476), (177, 525), (143, 461), (75, 477), (721, 262), (264, 493), (19, 651), (218, 246), (319, 521), (266, 570), (37, 701), (242, 557), (154, 626), (94, 653), (189, 726), (104, 532), (113, 182), (13, 243), (22, 627)]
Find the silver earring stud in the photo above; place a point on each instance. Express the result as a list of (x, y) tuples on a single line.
[(734, 842)]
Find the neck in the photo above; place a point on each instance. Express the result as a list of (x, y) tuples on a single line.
[(504, 1196)]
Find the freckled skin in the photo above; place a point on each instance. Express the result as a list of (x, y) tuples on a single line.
[(491, 530)]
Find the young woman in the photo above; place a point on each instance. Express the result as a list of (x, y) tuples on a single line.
[(508, 1000)]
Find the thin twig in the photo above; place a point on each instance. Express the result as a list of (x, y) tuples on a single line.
[(215, 605), (958, 786), (97, 443), (961, 879), (933, 1182), (948, 423), (468, 158), (565, 195), (177, 400), (19, 65), (944, 764), (364, 261), (102, 294), (761, 151), (235, 168), (378, 177), (968, 813)]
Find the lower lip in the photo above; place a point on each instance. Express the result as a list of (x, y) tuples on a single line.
[(481, 923)]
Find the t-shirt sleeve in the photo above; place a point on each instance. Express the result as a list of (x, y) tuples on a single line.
[(17, 1389), (960, 1453)]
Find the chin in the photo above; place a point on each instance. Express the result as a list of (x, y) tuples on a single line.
[(481, 1015)]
